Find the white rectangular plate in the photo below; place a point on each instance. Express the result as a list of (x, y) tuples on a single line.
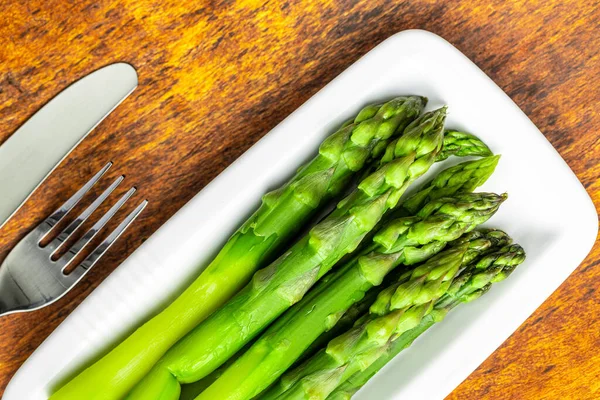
[(548, 212)]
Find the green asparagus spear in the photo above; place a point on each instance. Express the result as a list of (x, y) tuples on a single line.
[(490, 269), (413, 288), (462, 178), (401, 241), (462, 144), (280, 215), (346, 390), (480, 242), (284, 282), (468, 286)]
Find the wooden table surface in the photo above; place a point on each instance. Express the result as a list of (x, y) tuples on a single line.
[(215, 76)]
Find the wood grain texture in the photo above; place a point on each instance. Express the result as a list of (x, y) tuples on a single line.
[(215, 76)]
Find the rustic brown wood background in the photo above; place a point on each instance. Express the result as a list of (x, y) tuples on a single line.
[(215, 76)]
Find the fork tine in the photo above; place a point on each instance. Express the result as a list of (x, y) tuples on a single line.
[(57, 215), (103, 247), (72, 227), (91, 233)]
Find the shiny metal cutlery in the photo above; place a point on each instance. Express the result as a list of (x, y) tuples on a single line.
[(30, 154), (30, 278)]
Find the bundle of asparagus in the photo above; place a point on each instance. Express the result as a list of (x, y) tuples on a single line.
[(284, 282), (282, 212), (401, 241), (207, 336), (464, 177)]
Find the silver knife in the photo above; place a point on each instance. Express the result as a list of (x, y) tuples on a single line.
[(40, 144)]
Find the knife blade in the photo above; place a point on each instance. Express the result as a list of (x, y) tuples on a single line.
[(30, 154)]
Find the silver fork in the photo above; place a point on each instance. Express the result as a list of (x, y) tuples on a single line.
[(29, 277)]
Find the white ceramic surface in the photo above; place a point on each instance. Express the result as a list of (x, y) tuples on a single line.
[(548, 212)]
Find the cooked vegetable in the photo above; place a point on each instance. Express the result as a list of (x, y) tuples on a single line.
[(468, 286), (462, 178), (401, 241), (462, 144), (281, 214), (458, 179), (284, 282), (347, 389)]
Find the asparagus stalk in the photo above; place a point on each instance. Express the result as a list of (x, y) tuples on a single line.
[(280, 215), (284, 282), (468, 286), (346, 390), (398, 306), (401, 241), (462, 144), (462, 178)]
